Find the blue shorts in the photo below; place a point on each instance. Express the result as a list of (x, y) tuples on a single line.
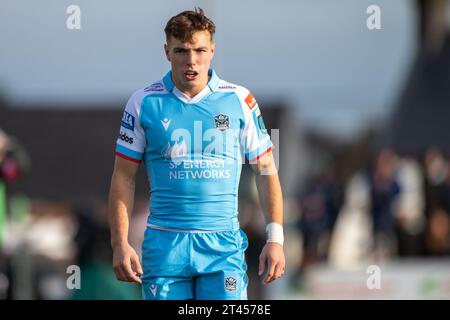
[(194, 265)]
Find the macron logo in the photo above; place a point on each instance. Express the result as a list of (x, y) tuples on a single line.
[(153, 288), (166, 123)]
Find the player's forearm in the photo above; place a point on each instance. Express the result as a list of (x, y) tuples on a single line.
[(270, 197), (121, 198)]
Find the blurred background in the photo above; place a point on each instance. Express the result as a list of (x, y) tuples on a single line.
[(363, 145)]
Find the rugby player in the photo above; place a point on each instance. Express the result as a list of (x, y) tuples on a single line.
[(193, 131)]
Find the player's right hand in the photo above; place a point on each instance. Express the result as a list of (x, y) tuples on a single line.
[(126, 264)]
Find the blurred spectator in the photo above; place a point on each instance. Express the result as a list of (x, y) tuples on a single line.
[(98, 281), (365, 229), (4, 145), (43, 250), (4, 280), (351, 240), (319, 206), (437, 182), (14, 163), (410, 212), (384, 191), (9, 170)]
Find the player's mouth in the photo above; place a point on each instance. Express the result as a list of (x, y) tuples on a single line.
[(190, 75)]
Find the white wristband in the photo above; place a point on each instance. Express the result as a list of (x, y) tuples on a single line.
[(275, 233)]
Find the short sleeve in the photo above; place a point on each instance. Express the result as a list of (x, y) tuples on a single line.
[(131, 141), (255, 139)]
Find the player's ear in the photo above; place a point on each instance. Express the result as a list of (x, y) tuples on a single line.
[(166, 50), (213, 48)]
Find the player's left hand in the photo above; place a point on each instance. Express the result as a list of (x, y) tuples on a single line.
[(272, 256)]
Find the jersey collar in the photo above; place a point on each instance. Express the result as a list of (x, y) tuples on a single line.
[(213, 82), (199, 96)]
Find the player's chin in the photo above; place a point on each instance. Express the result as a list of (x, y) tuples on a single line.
[(191, 81), (190, 84)]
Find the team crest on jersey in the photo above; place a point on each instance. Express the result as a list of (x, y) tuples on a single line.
[(230, 283), (154, 87), (222, 122), (127, 121)]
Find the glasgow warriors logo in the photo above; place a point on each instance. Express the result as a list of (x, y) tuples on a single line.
[(222, 122), (230, 283)]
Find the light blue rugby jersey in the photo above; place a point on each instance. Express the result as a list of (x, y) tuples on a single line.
[(193, 150)]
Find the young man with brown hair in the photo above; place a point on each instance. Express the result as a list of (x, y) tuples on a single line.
[(192, 130)]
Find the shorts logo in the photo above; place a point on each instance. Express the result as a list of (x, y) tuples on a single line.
[(230, 283), (127, 121), (222, 122), (251, 101), (153, 289)]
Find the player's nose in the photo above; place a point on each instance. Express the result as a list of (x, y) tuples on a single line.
[(190, 58)]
